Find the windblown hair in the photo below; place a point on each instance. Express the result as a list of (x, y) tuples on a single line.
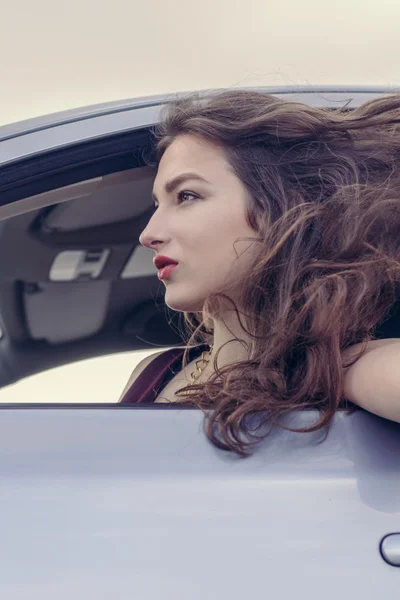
[(324, 203)]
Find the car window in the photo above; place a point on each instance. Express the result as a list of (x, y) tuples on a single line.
[(100, 379)]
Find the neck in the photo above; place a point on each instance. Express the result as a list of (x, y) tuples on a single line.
[(230, 339)]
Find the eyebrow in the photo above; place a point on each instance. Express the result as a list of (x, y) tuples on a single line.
[(172, 184)]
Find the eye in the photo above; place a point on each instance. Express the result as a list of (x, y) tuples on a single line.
[(186, 196), (183, 196)]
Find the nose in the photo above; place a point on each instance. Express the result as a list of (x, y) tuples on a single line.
[(148, 238)]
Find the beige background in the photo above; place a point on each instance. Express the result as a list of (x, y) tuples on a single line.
[(100, 379), (56, 56)]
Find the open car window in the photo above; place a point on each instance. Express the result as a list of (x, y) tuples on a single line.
[(75, 283)]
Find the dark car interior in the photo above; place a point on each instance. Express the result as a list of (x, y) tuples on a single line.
[(75, 282)]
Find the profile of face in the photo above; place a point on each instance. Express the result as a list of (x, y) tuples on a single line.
[(200, 214)]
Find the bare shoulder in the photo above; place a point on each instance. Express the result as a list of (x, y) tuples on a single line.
[(139, 369), (372, 380), (352, 351)]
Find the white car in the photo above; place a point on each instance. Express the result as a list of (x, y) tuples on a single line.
[(118, 501)]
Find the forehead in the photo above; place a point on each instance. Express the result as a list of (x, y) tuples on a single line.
[(191, 153)]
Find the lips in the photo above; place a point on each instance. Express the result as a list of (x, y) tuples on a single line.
[(162, 261), (166, 272)]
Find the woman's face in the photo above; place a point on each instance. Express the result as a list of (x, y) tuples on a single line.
[(198, 219)]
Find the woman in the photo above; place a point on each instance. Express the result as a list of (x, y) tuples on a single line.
[(283, 222)]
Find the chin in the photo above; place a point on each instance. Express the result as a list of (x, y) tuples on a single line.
[(183, 304)]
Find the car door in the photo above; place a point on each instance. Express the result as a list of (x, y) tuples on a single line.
[(116, 501)]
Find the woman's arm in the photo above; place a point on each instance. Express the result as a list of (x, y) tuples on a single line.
[(373, 382)]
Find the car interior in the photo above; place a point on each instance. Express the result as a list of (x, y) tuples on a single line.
[(75, 282)]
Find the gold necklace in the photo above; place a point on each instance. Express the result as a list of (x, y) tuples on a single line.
[(201, 364)]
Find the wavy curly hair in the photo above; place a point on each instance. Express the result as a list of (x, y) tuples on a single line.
[(324, 203)]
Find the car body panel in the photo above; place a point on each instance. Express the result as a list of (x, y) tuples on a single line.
[(108, 502)]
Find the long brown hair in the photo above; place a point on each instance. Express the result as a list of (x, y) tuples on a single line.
[(324, 203)]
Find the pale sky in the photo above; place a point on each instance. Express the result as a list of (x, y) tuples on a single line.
[(63, 55)]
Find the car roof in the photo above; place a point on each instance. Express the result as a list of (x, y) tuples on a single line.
[(299, 93)]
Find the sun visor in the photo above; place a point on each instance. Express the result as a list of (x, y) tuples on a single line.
[(63, 312), (118, 197)]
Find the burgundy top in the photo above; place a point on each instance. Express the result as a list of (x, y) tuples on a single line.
[(158, 373)]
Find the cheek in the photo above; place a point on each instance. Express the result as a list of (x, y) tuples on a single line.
[(213, 243), (225, 255)]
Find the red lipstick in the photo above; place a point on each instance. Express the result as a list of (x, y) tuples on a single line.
[(166, 271), (165, 266)]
